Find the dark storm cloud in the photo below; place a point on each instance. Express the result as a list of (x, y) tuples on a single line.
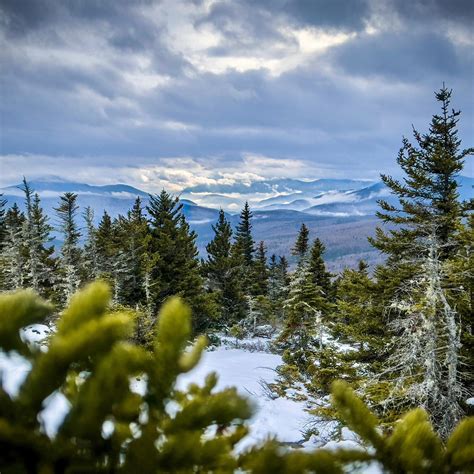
[(398, 56), (100, 79), (459, 11)]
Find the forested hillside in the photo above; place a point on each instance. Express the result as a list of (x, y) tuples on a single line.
[(126, 296)]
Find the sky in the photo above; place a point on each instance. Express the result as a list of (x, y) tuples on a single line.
[(174, 93)]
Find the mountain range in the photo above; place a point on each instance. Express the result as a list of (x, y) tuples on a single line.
[(339, 211)]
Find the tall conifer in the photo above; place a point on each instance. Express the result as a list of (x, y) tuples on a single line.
[(70, 252)]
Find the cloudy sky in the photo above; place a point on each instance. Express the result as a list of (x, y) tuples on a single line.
[(180, 92)]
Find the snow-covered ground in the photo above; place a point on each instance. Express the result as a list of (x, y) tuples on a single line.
[(247, 368), (247, 371)]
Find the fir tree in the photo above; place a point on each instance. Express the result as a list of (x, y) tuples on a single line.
[(244, 244), (222, 273), (301, 247), (428, 196), (70, 251)]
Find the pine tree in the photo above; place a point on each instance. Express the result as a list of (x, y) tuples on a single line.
[(70, 252), (278, 282), (301, 247), (222, 273), (428, 196), (177, 270)]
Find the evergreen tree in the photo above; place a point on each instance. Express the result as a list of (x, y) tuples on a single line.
[(70, 252), (176, 271), (278, 282), (460, 292), (14, 254), (133, 238), (303, 326), (91, 258), (105, 246), (3, 226), (37, 229), (301, 246), (354, 314), (428, 196), (321, 277), (260, 271), (424, 363), (244, 244), (3, 235), (222, 273)]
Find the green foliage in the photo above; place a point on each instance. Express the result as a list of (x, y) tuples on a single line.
[(223, 274), (90, 361), (301, 246), (244, 245), (428, 196), (69, 264), (413, 446), (176, 270), (160, 428)]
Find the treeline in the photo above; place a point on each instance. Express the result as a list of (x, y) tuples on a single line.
[(408, 329)]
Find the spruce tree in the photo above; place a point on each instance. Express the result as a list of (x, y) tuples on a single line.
[(37, 231), (91, 258), (244, 243), (70, 260), (301, 247), (3, 226), (428, 196), (424, 364), (105, 246), (222, 273), (133, 239), (14, 254), (3, 235), (321, 277), (460, 291), (260, 271), (176, 271)]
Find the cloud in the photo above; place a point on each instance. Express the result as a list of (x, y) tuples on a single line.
[(262, 88)]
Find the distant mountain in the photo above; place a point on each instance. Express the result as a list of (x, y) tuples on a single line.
[(364, 202), (267, 194), (343, 218)]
